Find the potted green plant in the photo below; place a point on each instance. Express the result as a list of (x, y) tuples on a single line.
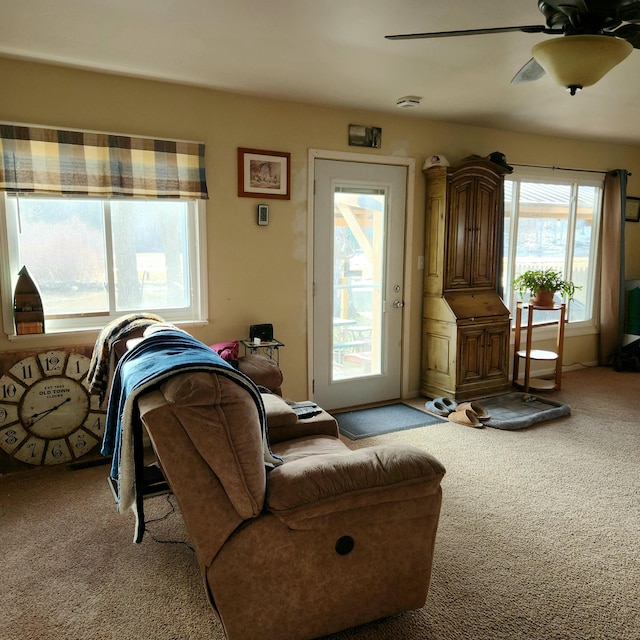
[(543, 285)]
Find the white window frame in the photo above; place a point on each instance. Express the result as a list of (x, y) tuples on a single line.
[(196, 314), (564, 177)]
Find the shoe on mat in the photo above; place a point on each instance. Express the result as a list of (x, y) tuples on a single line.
[(443, 406), (465, 417), (478, 409)]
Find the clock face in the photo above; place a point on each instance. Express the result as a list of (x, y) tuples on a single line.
[(46, 413)]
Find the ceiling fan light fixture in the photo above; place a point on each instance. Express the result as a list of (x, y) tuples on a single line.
[(580, 61)]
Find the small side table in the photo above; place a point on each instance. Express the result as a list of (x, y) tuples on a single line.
[(528, 354), (269, 348)]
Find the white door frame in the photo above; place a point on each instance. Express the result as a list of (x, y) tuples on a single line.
[(410, 164)]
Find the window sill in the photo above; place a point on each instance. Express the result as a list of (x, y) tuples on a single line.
[(550, 331), (79, 334)]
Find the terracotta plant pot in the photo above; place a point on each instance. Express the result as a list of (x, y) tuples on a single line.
[(543, 298)]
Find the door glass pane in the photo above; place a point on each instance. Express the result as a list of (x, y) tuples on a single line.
[(358, 251)]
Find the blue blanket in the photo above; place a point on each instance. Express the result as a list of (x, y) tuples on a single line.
[(153, 360)]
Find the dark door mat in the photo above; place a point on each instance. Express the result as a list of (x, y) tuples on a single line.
[(520, 410), (364, 423)]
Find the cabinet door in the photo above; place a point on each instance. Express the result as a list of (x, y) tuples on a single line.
[(459, 233), (486, 235), (471, 355), (483, 353), (496, 341)]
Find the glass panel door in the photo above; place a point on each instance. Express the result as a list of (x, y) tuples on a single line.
[(358, 249), (359, 211)]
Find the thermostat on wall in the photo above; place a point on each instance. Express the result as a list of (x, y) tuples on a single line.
[(263, 214)]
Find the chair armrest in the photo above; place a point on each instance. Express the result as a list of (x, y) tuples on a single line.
[(283, 423), (262, 370), (379, 482), (278, 412)]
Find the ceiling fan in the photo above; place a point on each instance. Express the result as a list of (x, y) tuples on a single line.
[(595, 35)]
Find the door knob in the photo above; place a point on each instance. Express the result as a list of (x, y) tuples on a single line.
[(398, 304)]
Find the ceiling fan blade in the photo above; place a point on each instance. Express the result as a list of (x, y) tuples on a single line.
[(629, 11), (536, 28), (630, 33), (528, 73)]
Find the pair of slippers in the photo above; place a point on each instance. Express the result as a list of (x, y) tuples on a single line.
[(442, 406), (469, 414)]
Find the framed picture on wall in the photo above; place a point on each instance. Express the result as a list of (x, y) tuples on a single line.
[(263, 174), (632, 210), (360, 136)]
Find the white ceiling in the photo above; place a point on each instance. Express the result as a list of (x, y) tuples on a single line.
[(332, 52)]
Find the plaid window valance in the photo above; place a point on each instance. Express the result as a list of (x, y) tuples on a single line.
[(56, 161)]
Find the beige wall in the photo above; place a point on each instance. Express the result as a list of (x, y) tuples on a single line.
[(258, 274)]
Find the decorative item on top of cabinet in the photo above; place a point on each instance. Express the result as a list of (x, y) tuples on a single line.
[(465, 346)]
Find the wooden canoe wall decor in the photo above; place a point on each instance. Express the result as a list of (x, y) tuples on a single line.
[(27, 305)]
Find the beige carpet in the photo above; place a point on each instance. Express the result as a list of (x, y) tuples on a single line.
[(538, 539)]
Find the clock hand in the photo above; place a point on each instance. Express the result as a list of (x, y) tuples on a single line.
[(35, 415), (42, 414)]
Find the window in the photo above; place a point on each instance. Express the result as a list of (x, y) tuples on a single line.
[(97, 259), (552, 220)]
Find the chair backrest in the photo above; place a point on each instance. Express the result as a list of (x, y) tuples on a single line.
[(205, 430), (109, 348), (222, 421)]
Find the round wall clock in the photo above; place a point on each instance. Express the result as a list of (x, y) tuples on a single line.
[(46, 413)]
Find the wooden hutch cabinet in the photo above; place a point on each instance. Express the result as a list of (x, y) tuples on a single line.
[(465, 324)]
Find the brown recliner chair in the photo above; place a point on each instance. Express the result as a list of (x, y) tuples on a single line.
[(330, 539)]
